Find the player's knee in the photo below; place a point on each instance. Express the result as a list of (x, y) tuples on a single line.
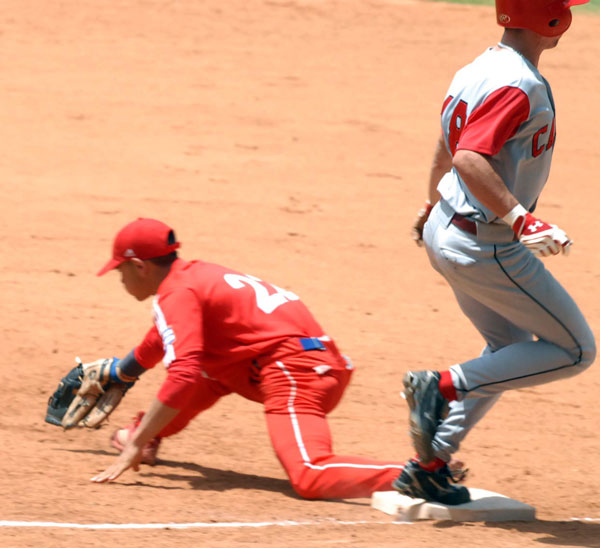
[(588, 354), (304, 484), (585, 353), (306, 490)]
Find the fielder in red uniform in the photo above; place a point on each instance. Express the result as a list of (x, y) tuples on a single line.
[(219, 332)]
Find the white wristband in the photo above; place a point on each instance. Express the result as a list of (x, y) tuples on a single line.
[(514, 214)]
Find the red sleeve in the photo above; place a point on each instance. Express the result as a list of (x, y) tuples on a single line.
[(150, 351), (495, 121), (178, 317)]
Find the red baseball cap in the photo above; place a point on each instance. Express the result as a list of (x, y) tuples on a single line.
[(142, 238)]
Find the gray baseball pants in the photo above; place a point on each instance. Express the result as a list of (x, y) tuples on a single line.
[(533, 330)]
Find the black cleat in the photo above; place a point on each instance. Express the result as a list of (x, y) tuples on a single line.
[(431, 486), (427, 409)]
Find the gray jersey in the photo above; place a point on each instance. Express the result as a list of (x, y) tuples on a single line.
[(500, 106)]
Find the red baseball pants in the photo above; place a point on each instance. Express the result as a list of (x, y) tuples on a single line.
[(298, 392)]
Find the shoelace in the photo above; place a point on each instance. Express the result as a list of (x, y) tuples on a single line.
[(456, 476)]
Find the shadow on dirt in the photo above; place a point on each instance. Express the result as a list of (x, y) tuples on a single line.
[(553, 533), (558, 533), (205, 478), (216, 479)]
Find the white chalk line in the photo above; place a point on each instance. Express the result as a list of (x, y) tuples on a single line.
[(204, 525), (190, 525)]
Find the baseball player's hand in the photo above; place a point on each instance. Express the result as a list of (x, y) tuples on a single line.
[(544, 239), (157, 417), (129, 458), (539, 237), (102, 387), (417, 227)]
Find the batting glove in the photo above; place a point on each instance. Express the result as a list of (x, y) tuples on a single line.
[(539, 237)]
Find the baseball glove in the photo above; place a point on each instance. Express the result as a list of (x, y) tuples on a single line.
[(63, 396), (88, 394)]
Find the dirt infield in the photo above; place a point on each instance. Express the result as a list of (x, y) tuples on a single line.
[(290, 139)]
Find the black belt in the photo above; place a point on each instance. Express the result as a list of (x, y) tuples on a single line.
[(464, 223)]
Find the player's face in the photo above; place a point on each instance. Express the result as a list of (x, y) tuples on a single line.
[(133, 280)]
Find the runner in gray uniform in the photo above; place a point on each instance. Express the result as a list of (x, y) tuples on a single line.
[(489, 168)]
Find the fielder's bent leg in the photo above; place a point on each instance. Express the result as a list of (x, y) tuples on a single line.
[(302, 443)]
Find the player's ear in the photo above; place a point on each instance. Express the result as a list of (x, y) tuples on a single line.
[(140, 266)]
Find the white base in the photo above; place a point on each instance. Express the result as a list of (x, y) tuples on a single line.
[(484, 506)]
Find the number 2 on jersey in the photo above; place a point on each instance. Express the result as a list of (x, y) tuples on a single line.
[(265, 300)]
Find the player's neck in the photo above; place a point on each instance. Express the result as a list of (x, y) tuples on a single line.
[(159, 276), (525, 43)]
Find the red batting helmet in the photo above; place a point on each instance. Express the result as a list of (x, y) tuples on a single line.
[(546, 17)]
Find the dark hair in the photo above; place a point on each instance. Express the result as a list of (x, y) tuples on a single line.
[(165, 260)]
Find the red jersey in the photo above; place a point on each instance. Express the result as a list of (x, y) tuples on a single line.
[(212, 321)]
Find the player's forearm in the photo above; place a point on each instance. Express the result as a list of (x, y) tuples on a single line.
[(441, 164), (483, 182), (156, 418), (130, 368)]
